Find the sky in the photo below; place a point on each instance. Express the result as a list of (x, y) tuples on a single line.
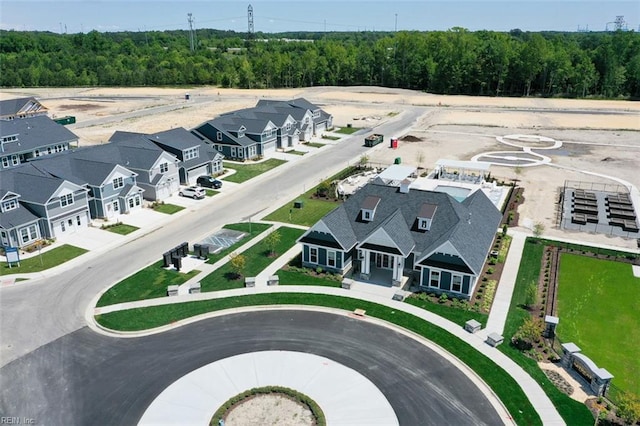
[(74, 16)]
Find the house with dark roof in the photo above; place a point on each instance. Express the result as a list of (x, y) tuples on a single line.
[(112, 188), (255, 132), (196, 158), (384, 233), (21, 108), (23, 139), (36, 205)]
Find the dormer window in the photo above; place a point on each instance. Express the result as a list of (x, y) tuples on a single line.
[(9, 205), (191, 153), (219, 136), (425, 216), (368, 208)]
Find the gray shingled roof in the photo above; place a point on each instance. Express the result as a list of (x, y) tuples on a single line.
[(10, 107), (178, 138), (397, 214), (34, 132), (17, 217), (209, 129), (32, 184)]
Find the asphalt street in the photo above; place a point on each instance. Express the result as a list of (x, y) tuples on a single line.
[(37, 312), (86, 379)]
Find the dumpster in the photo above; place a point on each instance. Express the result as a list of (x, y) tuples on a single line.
[(373, 140), (398, 160)]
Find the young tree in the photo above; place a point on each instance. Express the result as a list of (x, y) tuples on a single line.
[(538, 229), (531, 294), (272, 241), (238, 263), (364, 160), (629, 408), (420, 159), (529, 333)]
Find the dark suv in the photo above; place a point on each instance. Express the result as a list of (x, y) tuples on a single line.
[(209, 182)]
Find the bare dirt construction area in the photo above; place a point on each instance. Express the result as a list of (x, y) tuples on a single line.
[(263, 410), (599, 137)]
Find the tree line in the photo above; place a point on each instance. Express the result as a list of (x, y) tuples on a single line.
[(457, 61)]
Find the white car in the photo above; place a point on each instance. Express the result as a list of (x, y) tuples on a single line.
[(194, 192)]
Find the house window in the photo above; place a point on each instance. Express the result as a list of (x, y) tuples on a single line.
[(331, 258), (164, 167), (423, 224), (288, 126), (219, 136), (240, 152), (62, 226), (66, 200), (29, 233), (191, 153), (5, 161), (313, 255), (233, 151), (15, 160), (5, 238), (10, 205), (137, 198), (78, 221), (131, 203), (434, 280), (367, 215), (116, 206), (360, 254), (37, 153), (456, 283), (118, 182), (49, 150), (220, 148)]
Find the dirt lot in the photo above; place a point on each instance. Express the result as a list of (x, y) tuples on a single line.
[(598, 136)]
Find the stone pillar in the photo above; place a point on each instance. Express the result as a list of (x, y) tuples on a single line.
[(366, 262), (600, 381), (398, 266), (551, 323), (568, 349)]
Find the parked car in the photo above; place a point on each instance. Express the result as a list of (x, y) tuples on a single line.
[(194, 192), (209, 182)]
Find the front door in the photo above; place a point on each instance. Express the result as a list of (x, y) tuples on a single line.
[(383, 261)]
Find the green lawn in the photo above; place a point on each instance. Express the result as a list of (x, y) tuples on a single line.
[(167, 208), (147, 283), (245, 172), (599, 311), (296, 152), (122, 228), (257, 258), (251, 230), (457, 315), (312, 211), (572, 412), (291, 277), (46, 260), (331, 138), (320, 145), (210, 192), (347, 130), (505, 387)]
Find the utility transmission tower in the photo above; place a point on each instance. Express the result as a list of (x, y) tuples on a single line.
[(619, 23), (192, 42), (250, 22)]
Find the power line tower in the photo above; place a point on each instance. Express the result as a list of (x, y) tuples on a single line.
[(250, 22), (619, 23), (192, 41)]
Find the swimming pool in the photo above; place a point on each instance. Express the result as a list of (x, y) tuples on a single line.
[(455, 191)]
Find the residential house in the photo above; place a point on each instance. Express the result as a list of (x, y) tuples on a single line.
[(384, 233), (196, 158), (255, 132), (112, 188), (21, 108), (23, 139), (311, 118), (36, 205)]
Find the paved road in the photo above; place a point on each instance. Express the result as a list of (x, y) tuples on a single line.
[(87, 379), (35, 313)]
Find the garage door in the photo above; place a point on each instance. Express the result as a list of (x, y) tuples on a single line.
[(269, 147), (194, 174)]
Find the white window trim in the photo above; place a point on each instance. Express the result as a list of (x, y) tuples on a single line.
[(219, 136), (431, 273), (312, 249), (331, 253), (118, 182), (10, 205), (66, 200), (461, 282), (164, 167)]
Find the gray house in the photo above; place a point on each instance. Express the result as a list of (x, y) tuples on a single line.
[(21, 108), (23, 139), (196, 158), (255, 132), (383, 233), (38, 205), (112, 187)]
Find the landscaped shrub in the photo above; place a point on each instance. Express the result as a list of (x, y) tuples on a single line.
[(528, 334)]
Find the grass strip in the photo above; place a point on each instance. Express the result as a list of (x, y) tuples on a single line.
[(121, 228), (167, 208), (46, 260), (502, 383), (457, 315), (244, 172), (347, 130)]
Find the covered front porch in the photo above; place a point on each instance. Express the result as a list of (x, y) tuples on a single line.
[(381, 268)]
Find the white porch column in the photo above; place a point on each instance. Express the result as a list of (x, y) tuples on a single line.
[(398, 266), (366, 262)]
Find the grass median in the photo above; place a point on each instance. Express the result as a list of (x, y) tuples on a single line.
[(244, 172), (502, 383)]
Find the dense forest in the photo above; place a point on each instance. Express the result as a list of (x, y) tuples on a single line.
[(605, 64)]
